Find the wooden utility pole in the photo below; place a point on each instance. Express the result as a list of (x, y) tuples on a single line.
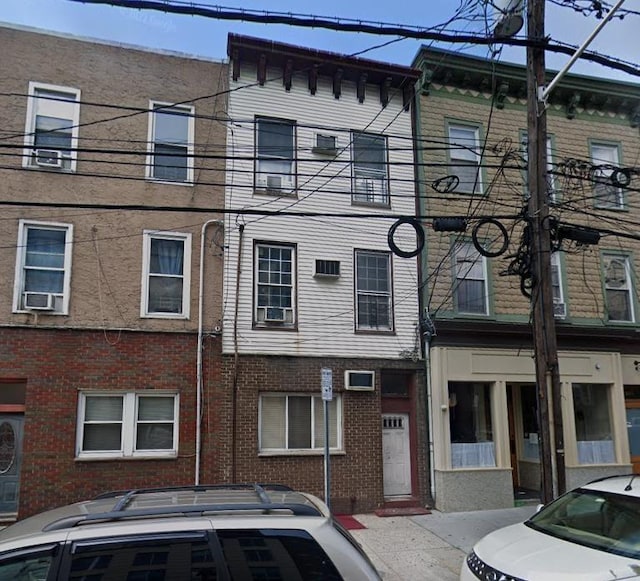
[(544, 327)]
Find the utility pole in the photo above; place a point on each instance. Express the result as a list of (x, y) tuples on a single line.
[(544, 326)]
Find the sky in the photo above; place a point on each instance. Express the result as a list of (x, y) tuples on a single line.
[(207, 37)]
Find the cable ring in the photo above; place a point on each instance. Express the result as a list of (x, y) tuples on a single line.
[(415, 224), (478, 244)]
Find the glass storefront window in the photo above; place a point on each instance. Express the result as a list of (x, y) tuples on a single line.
[(593, 423), (529, 408), (470, 424)]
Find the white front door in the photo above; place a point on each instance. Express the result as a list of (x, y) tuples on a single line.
[(396, 467)]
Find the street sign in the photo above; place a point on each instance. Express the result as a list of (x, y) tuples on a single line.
[(327, 384)]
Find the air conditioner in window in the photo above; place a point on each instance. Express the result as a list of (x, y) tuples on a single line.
[(559, 310), (274, 315), (325, 144), (359, 380), (39, 301), (48, 157), (274, 182)]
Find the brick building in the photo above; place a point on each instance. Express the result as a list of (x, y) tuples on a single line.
[(112, 173), (472, 133)]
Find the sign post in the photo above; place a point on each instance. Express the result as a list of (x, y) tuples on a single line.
[(327, 396)]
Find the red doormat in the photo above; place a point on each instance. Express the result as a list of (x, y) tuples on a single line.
[(349, 522)]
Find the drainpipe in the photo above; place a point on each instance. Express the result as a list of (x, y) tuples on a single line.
[(199, 382)]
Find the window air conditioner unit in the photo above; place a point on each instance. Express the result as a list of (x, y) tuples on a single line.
[(325, 144), (274, 183), (359, 380), (274, 315), (559, 310), (327, 268), (38, 301), (48, 157)]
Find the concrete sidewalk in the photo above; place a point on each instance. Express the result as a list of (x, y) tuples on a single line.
[(429, 547)]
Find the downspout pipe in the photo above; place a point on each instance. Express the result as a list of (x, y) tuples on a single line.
[(199, 379)]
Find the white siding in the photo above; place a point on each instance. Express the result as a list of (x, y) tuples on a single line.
[(325, 308)]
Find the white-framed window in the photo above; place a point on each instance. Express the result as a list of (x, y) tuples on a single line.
[(607, 195), (275, 284), (464, 157), (295, 422), (51, 135), (618, 288), (166, 274), (551, 178), (374, 291), (559, 305), (43, 267), (171, 139), (470, 289), (275, 144), (471, 425), (370, 179), (593, 423), (127, 424)]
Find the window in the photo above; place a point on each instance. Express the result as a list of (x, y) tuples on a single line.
[(296, 422), (43, 267), (171, 137), (464, 155), (374, 308), (559, 306), (618, 290), (274, 284), (120, 425), (51, 136), (593, 423), (370, 181), (275, 155), (470, 291), (166, 274), (530, 430), (606, 158), (470, 425), (551, 180)]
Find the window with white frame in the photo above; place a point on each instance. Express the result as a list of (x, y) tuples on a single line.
[(470, 292), (274, 284), (551, 180), (618, 288), (171, 138), (295, 422), (559, 306), (51, 136), (166, 274), (464, 156), (370, 180), (606, 158), (593, 423), (470, 425), (127, 424), (275, 155), (374, 292), (43, 267)]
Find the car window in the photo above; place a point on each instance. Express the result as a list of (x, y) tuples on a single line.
[(274, 555), (27, 566), (600, 520), (175, 557)]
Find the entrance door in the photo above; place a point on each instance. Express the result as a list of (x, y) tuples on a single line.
[(523, 439), (633, 429), (396, 455), (10, 461)]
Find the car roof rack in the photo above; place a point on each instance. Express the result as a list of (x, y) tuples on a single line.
[(262, 503)]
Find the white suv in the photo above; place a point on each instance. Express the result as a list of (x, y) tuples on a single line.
[(590, 533), (203, 533)]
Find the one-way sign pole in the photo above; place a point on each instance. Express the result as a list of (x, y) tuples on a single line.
[(327, 396)]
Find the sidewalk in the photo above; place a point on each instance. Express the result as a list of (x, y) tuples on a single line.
[(429, 547)]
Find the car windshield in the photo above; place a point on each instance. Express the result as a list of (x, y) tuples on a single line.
[(600, 520)]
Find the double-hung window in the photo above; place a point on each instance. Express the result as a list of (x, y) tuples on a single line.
[(126, 424), (605, 158), (275, 156), (274, 284), (171, 138), (593, 423), (370, 179), (464, 156), (551, 180), (559, 306), (51, 136), (618, 288), (295, 422), (470, 290), (166, 274), (43, 267), (374, 292)]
